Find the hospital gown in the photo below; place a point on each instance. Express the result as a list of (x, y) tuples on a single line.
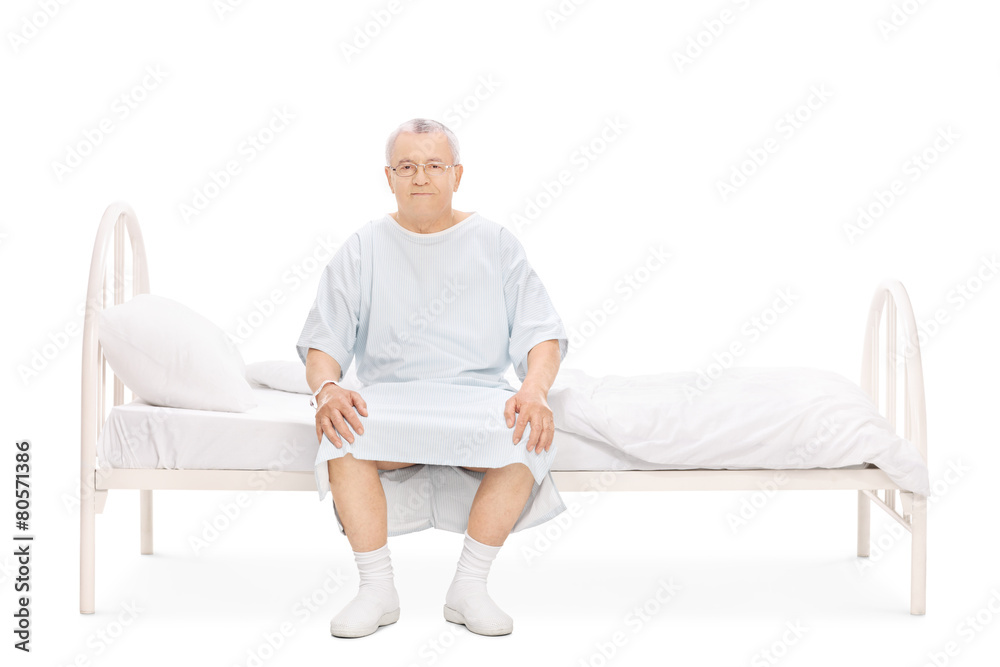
[(433, 322)]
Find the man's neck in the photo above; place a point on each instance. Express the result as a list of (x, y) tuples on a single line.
[(427, 226)]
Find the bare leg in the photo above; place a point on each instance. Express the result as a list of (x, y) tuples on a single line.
[(498, 502), (360, 499)]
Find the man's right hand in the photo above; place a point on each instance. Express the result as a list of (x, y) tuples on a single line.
[(336, 410)]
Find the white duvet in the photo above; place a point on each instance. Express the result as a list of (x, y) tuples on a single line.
[(747, 418)]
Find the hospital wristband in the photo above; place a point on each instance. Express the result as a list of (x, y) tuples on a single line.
[(312, 401)]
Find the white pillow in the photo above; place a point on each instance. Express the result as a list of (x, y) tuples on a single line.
[(283, 375), (171, 356), (291, 376)]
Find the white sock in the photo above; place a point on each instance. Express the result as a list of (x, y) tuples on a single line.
[(376, 594), (468, 594)]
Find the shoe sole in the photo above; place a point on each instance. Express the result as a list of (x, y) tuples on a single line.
[(454, 616), (387, 618)]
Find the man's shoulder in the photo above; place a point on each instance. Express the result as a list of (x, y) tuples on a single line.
[(494, 228), (354, 243), (501, 238)]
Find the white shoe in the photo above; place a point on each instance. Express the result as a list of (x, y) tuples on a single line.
[(377, 602), (482, 616), (361, 617)]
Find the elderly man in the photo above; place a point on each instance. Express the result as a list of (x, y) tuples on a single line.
[(436, 304)]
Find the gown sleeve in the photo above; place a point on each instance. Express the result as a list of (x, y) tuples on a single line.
[(332, 323), (531, 317)]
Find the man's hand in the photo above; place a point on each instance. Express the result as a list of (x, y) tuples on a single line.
[(336, 410), (531, 404)]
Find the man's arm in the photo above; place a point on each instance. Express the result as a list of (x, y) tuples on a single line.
[(530, 401), (333, 414), (320, 367), (543, 364)]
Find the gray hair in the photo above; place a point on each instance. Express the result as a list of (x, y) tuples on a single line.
[(422, 126)]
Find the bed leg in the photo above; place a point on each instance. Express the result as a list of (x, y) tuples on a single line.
[(146, 520), (864, 524), (918, 556), (87, 552)]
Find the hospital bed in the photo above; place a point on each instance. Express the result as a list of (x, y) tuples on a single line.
[(237, 469)]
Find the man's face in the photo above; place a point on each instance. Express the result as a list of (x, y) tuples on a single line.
[(422, 195)]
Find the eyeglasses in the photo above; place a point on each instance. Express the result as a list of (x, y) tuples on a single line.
[(407, 169)]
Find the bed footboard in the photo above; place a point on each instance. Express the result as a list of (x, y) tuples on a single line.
[(901, 352)]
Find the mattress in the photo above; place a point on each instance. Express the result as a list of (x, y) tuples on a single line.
[(280, 435)]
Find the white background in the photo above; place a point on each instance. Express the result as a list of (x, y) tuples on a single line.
[(894, 76)]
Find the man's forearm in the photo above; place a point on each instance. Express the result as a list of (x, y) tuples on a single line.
[(320, 367), (543, 364)]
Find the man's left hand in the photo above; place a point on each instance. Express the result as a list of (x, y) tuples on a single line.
[(531, 404)]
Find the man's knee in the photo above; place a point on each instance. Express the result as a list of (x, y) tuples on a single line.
[(475, 469)]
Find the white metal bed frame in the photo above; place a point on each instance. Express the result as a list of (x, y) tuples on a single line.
[(890, 297)]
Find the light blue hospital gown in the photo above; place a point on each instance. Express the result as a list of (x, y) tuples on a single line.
[(434, 321)]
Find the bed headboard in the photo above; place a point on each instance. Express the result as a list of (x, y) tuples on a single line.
[(118, 219), (902, 349)]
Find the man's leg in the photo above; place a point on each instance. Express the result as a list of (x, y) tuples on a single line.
[(392, 465), (500, 499), (360, 500), (498, 502)]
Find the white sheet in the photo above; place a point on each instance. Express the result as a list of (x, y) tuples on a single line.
[(279, 434), (771, 418)]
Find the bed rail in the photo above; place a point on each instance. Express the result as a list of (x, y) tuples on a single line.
[(901, 351), (118, 219)]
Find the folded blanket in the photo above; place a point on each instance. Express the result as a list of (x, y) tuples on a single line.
[(772, 418)]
